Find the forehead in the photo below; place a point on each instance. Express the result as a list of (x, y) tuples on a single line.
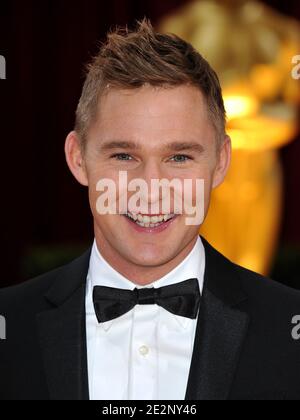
[(150, 115)]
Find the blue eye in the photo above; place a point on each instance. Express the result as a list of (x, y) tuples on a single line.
[(121, 156), (180, 158), (126, 157)]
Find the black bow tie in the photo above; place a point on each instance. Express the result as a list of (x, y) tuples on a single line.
[(181, 299)]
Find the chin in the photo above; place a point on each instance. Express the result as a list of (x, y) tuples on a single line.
[(149, 258)]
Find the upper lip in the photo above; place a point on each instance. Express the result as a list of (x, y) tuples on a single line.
[(146, 214)]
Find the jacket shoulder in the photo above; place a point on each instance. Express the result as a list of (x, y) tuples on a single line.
[(230, 277), (33, 290), (260, 287)]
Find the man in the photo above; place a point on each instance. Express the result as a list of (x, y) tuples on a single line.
[(152, 311)]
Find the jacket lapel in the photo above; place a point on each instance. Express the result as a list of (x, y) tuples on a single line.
[(63, 335), (221, 330)]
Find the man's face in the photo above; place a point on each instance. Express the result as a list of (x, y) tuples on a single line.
[(151, 134)]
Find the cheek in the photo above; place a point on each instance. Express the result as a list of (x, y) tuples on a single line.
[(93, 197), (202, 180), (196, 197), (102, 189)]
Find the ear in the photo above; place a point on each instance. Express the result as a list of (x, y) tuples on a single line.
[(223, 162), (74, 158)]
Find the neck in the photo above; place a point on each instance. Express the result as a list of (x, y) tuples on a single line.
[(134, 272)]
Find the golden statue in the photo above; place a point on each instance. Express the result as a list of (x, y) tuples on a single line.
[(252, 48)]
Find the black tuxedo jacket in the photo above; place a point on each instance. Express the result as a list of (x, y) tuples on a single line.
[(244, 349)]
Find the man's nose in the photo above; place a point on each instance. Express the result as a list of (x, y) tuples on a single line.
[(148, 172)]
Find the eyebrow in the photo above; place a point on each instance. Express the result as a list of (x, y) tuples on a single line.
[(185, 146), (173, 146), (119, 144)]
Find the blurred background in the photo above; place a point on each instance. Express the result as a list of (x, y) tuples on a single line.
[(45, 214)]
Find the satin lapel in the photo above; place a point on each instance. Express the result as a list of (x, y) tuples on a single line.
[(62, 338), (62, 334), (220, 334), (221, 330)]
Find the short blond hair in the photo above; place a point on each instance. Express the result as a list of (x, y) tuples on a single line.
[(130, 59)]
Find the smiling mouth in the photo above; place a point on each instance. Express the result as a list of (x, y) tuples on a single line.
[(148, 221)]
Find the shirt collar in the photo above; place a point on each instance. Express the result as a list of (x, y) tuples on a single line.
[(101, 273)]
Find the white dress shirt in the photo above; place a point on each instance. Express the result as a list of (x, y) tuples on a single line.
[(145, 354)]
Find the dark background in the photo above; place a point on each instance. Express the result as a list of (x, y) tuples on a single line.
[(45, 214)]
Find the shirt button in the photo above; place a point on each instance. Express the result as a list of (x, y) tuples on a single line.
[(144, 350)]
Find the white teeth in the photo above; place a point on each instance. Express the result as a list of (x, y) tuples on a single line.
[(150, 221), (146, 219)]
